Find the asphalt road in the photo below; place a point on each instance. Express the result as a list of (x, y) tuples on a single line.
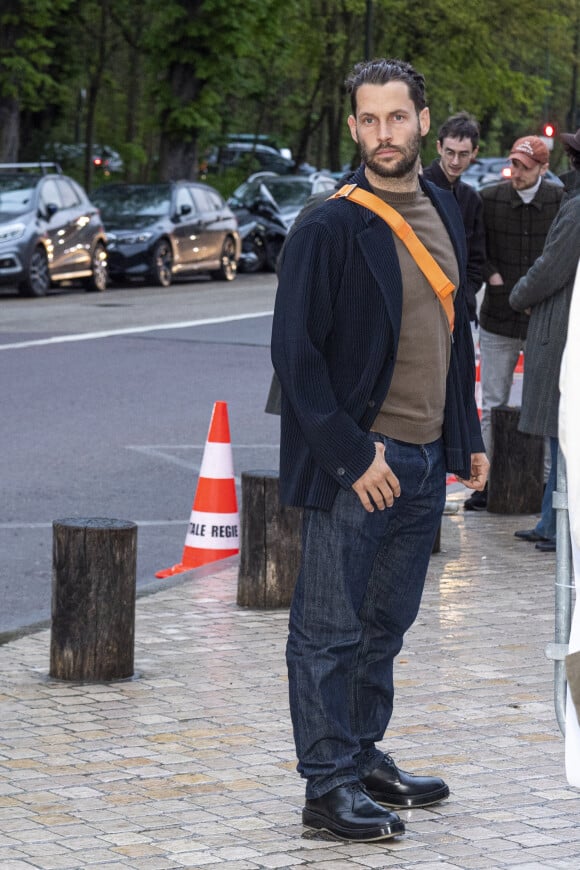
[(105, 403)]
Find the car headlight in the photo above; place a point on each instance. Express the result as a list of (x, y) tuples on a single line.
[(132, 239), (12, 231)]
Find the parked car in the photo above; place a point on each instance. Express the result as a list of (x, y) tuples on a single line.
[(266, 206), (72, 156), (485, 171), (261, 139), (249, 155), (49, 230), (157, 231)]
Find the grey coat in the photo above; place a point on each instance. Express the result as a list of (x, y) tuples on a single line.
[(547, 289)]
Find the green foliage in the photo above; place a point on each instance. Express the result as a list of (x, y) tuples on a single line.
[(176, 78), (226, 182), (26, 49)]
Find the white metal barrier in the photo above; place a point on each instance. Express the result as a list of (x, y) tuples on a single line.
[(558, 650)]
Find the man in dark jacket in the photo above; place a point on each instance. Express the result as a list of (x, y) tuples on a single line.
[(377, 403), (458, 144), (571, 178), (546, 292), (517, 215)]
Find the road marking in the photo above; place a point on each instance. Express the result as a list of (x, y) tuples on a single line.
[(160, 452), (134, 330), (157, 450), (17, 525)]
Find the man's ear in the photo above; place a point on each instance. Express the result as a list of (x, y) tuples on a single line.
[(424, 121), (352, 127)]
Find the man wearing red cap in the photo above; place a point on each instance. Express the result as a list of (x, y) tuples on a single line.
[(517, 215)]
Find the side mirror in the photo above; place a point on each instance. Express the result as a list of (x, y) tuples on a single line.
[(50, 210), (185, 209)]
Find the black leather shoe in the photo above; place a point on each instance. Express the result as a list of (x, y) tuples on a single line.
[(546, 546), (477, 501), (530, 535), (349, 813), (392, 787)]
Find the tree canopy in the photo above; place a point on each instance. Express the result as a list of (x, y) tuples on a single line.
[(162, 83)]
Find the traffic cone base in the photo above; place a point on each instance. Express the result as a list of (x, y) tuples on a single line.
[(213, 529)]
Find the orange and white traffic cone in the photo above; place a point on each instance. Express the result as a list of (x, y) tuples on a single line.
[(213, 531), (519, 372), (478, 385), (517, 381)]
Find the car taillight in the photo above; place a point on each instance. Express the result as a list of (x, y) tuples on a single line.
[(97, 161)]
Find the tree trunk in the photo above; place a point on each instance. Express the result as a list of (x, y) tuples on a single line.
[(93, 89), (9, 130), (178, 159)]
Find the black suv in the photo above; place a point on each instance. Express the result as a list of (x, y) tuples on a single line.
[(49, 230), (249, 155)]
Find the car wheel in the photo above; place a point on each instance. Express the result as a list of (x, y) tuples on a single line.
[(229, 267), (37, 279), (254, 254), (162, 264), (100, 277)]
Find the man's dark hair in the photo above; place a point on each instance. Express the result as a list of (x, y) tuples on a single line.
[(379, 72), (573, 155), (459, 126)]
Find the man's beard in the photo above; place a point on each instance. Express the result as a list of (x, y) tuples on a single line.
[(409, 154)]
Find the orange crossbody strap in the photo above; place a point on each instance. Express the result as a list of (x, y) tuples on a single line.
[(442, 286)]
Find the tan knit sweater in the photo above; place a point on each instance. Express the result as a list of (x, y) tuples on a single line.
[(413, 409)]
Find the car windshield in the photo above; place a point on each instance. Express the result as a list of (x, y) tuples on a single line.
[(133, 199), (287, 195), (16, 193), (290, 194)]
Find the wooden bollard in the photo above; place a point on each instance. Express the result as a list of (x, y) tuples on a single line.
[(516, 477), (93, 599), (270, 543)]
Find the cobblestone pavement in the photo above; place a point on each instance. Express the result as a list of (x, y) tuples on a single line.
[(191, 764)]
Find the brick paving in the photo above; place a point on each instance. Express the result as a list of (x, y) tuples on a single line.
[(191, 764)]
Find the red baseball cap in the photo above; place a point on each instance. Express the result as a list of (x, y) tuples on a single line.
[(531, 151)]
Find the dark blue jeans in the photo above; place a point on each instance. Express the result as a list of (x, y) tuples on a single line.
[(547, 523), (357, 593)]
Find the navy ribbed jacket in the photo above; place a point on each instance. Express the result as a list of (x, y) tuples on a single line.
[(334, 341)]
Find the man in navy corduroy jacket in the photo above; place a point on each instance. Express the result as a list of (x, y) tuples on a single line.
[(377, 404)]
